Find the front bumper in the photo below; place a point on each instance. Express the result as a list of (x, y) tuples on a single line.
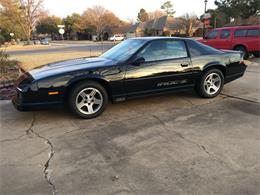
[(18, 105), (22, 105), (17, 100)]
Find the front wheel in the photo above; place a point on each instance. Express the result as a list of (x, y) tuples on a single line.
[(88, 99), (210, 84)]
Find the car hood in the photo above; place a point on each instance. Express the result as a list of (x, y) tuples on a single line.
[(69, 66)]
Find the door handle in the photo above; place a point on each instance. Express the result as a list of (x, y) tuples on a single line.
[(184, 65)]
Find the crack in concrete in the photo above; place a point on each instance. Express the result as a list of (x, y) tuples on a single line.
[(19, 137), (239, 98), (78, 128), (51, 154), (251, 71), (189, 101), (201, 147), (166, 128), (12, 139), (202, 104)]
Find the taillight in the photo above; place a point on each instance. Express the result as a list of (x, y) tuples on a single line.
[(241, 58)]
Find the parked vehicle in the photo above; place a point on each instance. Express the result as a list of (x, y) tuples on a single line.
[(240, 38), (117, 38), (135, 67), (45, 42), (37, 42)]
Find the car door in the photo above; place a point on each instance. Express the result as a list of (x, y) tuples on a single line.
[(166, 65), (224, 41), (212, 38)]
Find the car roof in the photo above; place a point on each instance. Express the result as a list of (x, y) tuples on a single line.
[(238, 27), (159, 38)]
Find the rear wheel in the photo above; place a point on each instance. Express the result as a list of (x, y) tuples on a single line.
[(88, 99), (244, 50), (210, 84)]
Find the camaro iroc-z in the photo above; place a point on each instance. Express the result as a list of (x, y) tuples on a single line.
[(135, 67)]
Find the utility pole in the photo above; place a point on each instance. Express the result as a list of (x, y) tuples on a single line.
[(204, 18)]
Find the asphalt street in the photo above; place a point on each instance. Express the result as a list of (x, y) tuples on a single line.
[(71, 47), (170, 144)]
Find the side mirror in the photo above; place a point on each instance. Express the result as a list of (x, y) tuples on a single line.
[(138, 61), (206, 37)]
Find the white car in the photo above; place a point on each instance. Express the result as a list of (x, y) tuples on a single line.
[(117, 38)]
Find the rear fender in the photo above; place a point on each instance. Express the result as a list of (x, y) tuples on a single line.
[(215, 64)]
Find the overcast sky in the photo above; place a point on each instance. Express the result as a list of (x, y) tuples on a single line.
[(124, 9)]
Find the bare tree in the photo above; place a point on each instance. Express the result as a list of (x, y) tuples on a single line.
[(100, 18), (189, 21), (24, 13), (155, 14), (131, 20)]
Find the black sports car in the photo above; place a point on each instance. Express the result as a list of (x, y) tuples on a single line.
[(135, 67)]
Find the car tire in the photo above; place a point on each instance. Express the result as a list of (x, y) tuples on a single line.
[(244, 50), (210, 84), (88, 99), (257, 54)]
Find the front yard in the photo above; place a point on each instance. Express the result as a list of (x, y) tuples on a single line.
[(11, 68), (29, 62)]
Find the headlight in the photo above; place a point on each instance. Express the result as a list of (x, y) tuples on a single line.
[(24, 79)]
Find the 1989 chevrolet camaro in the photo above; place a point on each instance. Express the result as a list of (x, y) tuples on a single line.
[(135, 67)]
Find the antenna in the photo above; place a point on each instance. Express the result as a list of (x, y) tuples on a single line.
[(90, 51), (102, 43)]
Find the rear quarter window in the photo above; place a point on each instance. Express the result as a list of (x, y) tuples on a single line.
[(253, 32), (199, 49), (240, 33)]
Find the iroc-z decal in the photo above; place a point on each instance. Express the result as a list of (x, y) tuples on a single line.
[(170, 83)]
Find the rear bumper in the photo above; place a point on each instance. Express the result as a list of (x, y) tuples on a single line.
[(233, 77), (239, 72)]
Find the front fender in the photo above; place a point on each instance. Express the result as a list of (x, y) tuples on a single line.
[(77, 79)]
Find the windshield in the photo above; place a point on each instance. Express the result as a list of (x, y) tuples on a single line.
[(123, 50)]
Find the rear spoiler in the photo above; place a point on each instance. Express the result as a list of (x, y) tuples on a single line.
[(235, 52), (230, 51)]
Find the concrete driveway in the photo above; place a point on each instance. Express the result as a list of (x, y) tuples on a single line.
[(171, 144)]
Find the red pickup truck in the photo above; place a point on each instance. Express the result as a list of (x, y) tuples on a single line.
[(241, 38)]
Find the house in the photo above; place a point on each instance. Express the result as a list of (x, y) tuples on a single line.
[(163, 26)]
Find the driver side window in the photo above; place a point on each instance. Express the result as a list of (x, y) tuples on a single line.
[(213, 34), (164, 50)]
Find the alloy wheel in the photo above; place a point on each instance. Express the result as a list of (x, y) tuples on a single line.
[(212, 83), (89, 101)]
